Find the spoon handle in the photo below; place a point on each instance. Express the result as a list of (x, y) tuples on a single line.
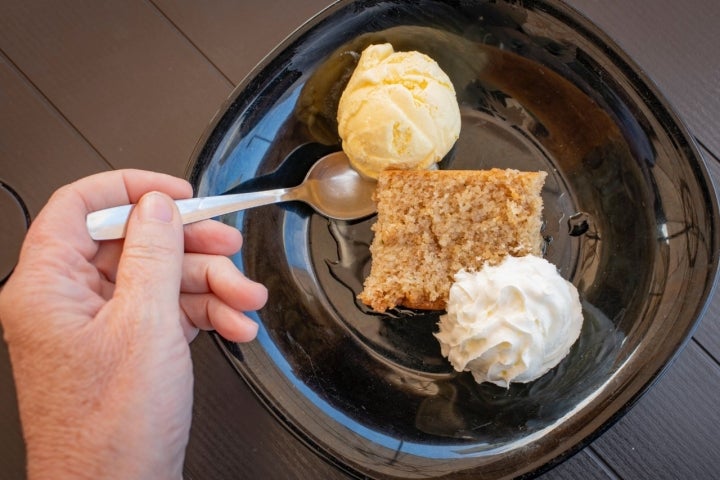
[(110, 223)]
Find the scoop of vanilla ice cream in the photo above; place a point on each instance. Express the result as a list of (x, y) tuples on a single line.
[(511, 322), (397, 111)]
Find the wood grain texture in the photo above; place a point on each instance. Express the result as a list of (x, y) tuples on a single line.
[(134, 87), (37, 137), (234, 35), (675, 44), (672, 431), (585, 463)]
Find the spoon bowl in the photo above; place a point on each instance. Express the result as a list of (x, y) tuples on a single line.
[(336, 190), (332, 187)]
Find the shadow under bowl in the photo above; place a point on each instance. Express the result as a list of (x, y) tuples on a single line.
[(630, 213)]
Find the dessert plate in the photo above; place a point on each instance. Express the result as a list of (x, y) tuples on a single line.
[(630, 219)]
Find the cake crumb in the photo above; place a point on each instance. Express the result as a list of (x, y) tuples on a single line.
[(433, 223)]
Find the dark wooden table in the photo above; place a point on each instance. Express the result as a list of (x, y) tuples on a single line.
[(87, 86)]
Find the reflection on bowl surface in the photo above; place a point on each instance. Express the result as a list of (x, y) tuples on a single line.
[(630, 219)]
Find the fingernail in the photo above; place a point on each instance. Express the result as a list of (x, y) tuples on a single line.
[(154, 206)]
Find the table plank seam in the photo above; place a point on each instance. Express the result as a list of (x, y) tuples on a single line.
[(45, 99), (192, 43), (707, 352), (601, 463), (707, 149)]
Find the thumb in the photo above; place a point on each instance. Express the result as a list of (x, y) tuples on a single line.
[(150, 266)]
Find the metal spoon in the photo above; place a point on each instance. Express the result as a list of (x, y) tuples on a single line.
[(331, 187)]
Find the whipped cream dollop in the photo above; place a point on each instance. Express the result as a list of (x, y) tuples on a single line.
[(511, 322)]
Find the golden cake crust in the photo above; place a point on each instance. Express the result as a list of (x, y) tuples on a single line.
[(432, 223)]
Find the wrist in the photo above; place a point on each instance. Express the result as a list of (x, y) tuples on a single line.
[(101, 431), (95, 448)]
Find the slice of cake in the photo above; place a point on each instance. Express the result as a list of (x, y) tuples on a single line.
[(432, 223)]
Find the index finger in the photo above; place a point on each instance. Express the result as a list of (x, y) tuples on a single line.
[(61, 223), (120, 187)]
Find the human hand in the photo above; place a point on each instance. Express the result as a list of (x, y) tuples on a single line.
[(98, 332)]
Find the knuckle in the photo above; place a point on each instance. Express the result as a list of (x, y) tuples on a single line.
[(150, 252)]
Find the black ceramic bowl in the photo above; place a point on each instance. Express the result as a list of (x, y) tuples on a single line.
[(630, 219)]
